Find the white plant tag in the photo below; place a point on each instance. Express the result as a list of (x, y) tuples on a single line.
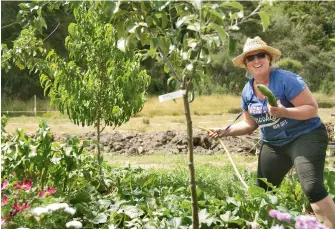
[(172, 95)]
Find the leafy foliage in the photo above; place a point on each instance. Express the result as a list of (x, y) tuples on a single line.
[(46, 162), (136, 197), (99, 81)]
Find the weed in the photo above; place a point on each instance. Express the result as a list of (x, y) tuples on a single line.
[(146, 121)]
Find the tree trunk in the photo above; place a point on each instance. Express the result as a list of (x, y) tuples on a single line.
[(195, 215), (98, 145)]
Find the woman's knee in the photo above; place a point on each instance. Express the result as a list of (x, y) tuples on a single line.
[(310, 173), (314, 191)]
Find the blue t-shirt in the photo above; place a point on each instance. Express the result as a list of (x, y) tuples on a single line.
[(278, 131)]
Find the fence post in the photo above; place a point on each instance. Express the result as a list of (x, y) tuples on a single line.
[(35, 104)]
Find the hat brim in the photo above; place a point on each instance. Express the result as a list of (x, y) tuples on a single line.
[(239, 60)]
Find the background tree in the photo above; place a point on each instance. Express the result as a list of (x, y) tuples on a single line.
[(295, 27), (16, 81)]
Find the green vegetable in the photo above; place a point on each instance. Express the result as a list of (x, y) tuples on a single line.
[(268, 93)]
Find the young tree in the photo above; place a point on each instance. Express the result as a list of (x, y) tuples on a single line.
[(99, 85), (184, 35)]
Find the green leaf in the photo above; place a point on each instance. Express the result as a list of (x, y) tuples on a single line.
[(219, 30), (256, 191), (204, 217), (184, 19), (236, 5), (273, 199), (20, 65), (194, 26), (165, 21), (42, 22), (105, 203), (86, 143), (331, 180), (265, 18), (100, 218), (166, 70), (175, 222), (219, 16), (81, 197), (132, 211), (226, 216), (231, 45), (169, 81)]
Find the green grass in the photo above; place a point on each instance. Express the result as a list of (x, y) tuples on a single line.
[(161, 160)]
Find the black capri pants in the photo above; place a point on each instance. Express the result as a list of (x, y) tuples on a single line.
[(307, 153)]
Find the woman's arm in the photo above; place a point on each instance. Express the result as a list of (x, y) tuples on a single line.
[(305, 107), (247, 126)]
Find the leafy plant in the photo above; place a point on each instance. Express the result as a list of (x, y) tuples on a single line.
[(99, 85)]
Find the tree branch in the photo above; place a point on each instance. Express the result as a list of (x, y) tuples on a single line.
[(11, 24), (51, 32), (250, 15)]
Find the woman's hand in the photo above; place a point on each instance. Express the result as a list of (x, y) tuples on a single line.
[(217, 133), (279, 111)]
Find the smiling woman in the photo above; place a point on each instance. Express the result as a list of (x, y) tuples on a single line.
[(292, 133)]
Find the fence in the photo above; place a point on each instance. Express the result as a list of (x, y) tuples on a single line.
[(33, 110)]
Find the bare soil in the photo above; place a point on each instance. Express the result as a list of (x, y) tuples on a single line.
[(173, 142)]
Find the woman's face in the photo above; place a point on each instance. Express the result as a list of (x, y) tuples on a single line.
[(258, 63)]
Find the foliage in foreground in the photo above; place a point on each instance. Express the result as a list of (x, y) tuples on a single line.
[(49, 184)]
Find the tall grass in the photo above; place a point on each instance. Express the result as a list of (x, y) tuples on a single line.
[(325, 101), (8, 104), (16, 107), (202, 105)]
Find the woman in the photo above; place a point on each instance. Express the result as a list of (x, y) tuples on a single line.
[(291, 133)]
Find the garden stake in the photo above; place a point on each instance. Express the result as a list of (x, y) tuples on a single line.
[(230, 158)]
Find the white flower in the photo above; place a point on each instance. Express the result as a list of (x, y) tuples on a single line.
[(57, 206), (39, 211), (254, 225), (189, 67), (70, 210), (74, 223)]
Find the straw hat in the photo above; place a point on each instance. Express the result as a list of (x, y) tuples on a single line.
[(252, 45)]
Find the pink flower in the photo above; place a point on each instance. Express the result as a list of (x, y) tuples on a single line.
[(26, 185), (18, 207), (4, 200), (284, 217), (3, 220), (273, 213), (281, 216), (4, 184), (47, 192)]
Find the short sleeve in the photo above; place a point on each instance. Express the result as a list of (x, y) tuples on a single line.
[(293, 84), (244, 103)]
